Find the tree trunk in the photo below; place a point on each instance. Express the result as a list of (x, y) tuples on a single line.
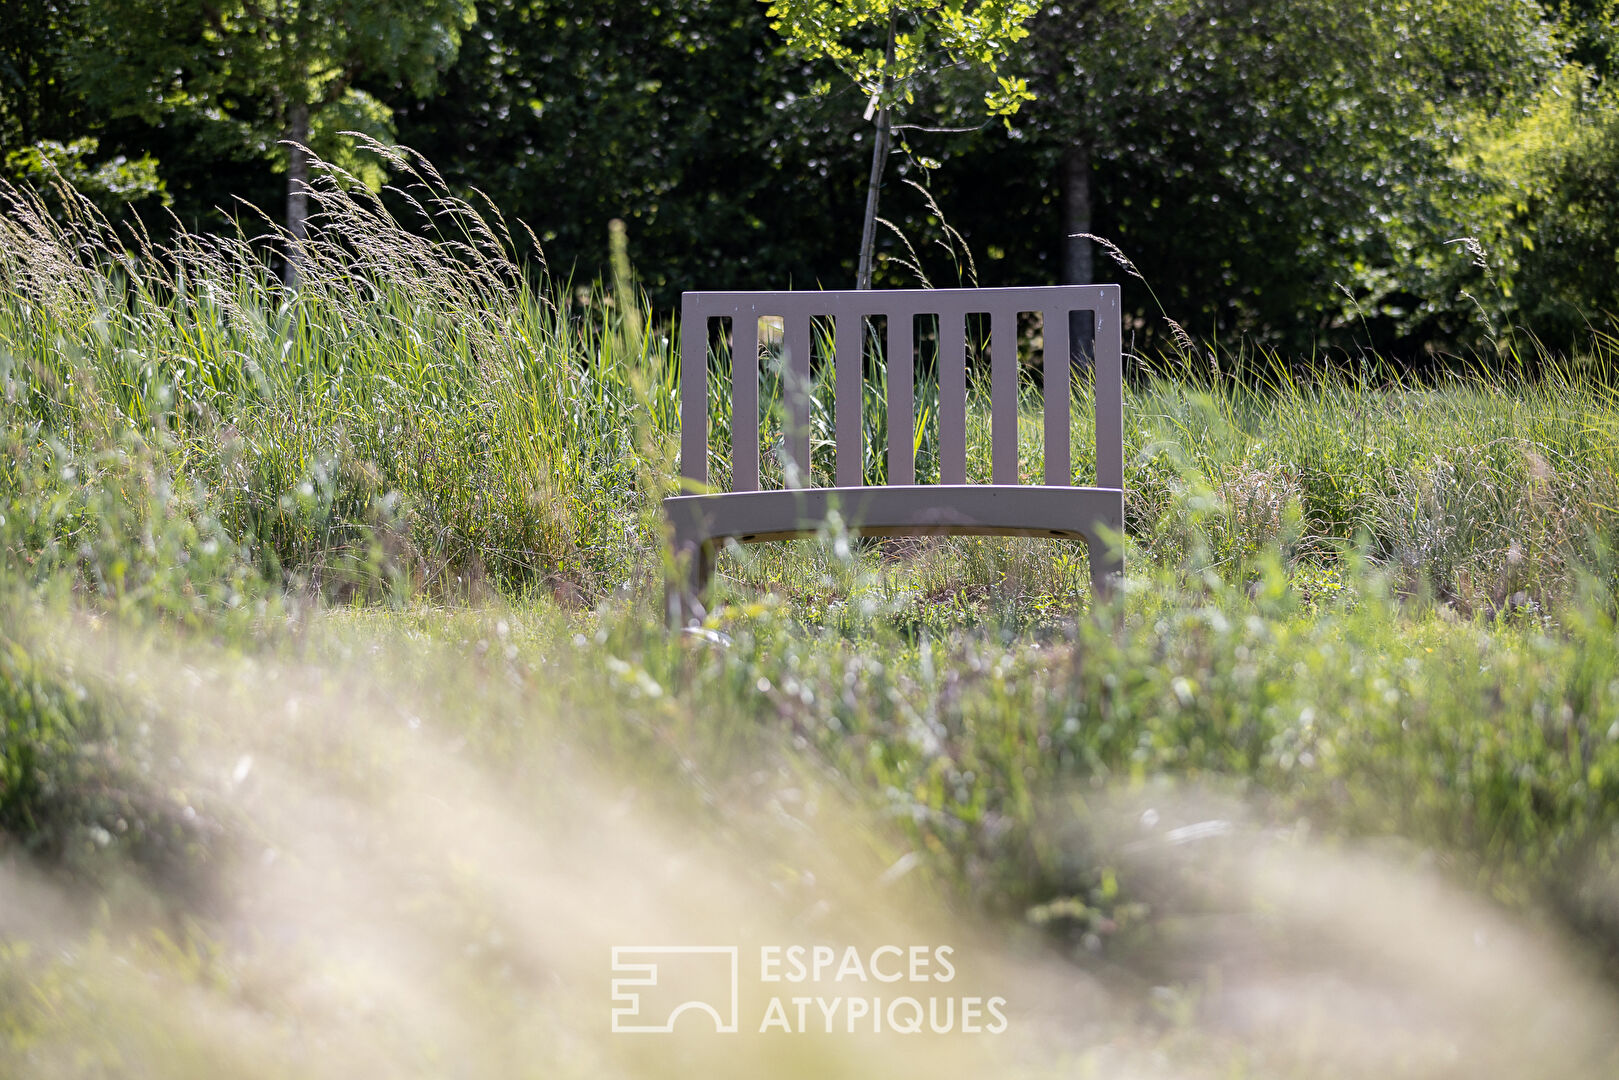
[(879, 160), (1078, 253), (297, 184), (1078, 267)]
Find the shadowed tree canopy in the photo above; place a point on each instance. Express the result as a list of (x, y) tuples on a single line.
[(695, 124), (1248, 154), (265, 72), (35, 101), (1286, 172)]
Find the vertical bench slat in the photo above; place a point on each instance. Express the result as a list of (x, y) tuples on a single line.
[(1057, 395), (693, 390), (901, 400), (796, 384), (1109, 396), (745, 400), (849, 333), (1003, 382), (953, 396)]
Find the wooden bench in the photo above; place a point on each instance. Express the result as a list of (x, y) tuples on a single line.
[(901, 507)]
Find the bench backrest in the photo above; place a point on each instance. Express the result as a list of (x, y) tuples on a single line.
[(847, 312)]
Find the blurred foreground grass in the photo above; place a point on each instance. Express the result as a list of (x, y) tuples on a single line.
[(342, 735)]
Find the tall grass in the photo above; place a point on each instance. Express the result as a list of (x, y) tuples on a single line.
[(414, 390), (418, 404)]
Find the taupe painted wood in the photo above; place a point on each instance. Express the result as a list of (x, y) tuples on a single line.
[(1003, 380), (952, 397), (1072, 513), (849, 384), (1109, 399), (796, 385), (901, 399), (902, 507), (693, 391), (745, 400), (1057, 391)]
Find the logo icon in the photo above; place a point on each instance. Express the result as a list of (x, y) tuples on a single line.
[(654, 985)]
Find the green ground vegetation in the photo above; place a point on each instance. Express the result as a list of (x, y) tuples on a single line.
[(1379, 607)]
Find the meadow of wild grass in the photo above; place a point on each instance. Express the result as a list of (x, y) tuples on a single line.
[(341, 724)]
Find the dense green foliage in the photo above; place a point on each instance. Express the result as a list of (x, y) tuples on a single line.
[(955, 33), (1294, 174), (572, 117), (1220, 134)]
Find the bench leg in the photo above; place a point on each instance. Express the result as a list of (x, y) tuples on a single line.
[(1104, 548), (688, 581), (1107, 569)]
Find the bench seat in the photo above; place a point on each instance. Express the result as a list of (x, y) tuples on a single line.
[(1089, 514)]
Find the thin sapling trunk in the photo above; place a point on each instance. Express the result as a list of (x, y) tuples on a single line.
[(297, 184), (879, 159)]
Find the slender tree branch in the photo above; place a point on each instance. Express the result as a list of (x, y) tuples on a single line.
[(940, 131)]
